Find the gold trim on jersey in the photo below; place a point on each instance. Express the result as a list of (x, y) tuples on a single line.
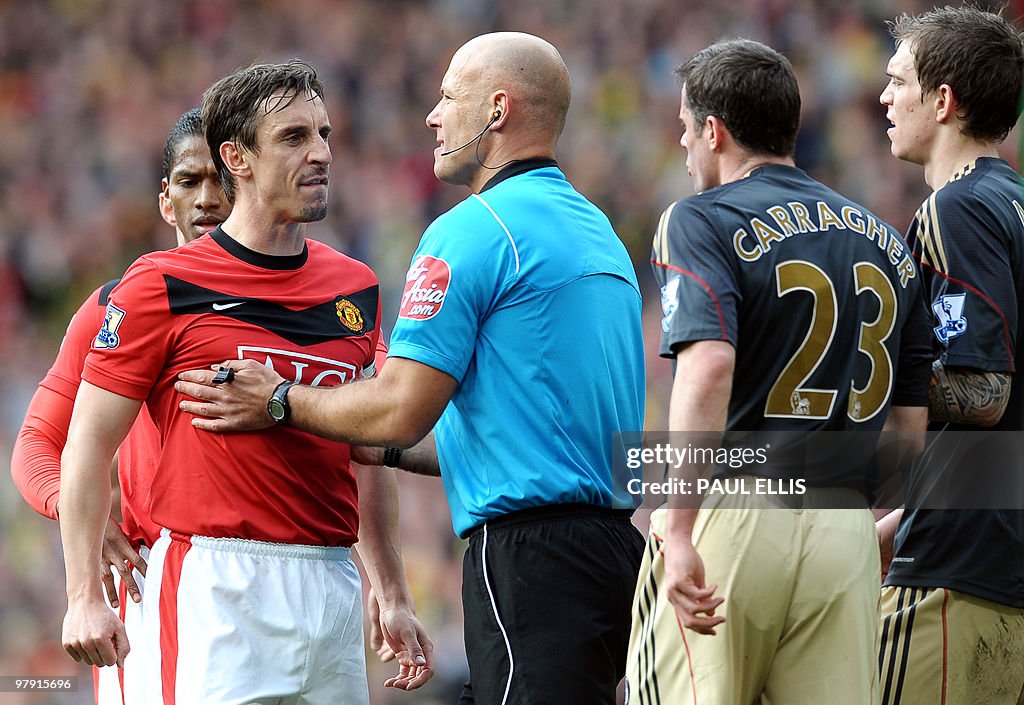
[(964, 170), (929, 232), (933, 252), (661, 248)]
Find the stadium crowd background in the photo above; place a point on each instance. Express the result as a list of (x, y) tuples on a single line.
[(89, 88)]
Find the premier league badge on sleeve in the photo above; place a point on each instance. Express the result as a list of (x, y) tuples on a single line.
[(108, 337), (949, 310), (669, 301)]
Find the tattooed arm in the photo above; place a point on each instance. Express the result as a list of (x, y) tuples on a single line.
[(963, 395)]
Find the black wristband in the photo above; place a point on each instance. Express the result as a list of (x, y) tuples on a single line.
[(391, 456)]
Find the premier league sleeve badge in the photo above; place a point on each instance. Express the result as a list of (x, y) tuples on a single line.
[(949, 310)]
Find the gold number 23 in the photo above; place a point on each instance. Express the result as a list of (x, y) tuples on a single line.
[(788, 398)]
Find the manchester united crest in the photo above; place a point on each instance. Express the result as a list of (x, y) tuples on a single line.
[(349, 315)]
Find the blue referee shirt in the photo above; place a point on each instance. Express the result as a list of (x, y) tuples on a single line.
[(525, 295)]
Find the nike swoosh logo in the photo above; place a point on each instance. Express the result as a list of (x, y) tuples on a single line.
[(225, 307)]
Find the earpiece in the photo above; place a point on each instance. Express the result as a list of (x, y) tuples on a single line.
[(494, 117)]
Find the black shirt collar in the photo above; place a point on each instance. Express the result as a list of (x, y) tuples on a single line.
[(520, 166), (258, 259)]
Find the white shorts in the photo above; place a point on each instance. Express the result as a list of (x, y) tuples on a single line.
[(114, 686), (233, 622)]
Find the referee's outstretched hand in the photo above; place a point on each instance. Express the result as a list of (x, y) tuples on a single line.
[(236, 404), (695, 604)]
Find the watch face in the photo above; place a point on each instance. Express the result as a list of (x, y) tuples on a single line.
[(276, 409), (277, 405)]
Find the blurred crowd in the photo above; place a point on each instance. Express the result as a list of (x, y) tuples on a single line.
[(89, 88)]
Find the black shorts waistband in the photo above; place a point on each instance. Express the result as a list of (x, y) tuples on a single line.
[(550, 511)]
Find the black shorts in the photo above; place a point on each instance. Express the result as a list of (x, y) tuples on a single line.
[(547, 594)]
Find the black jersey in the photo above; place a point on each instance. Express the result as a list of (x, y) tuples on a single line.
[(969, 237), (819, 297)]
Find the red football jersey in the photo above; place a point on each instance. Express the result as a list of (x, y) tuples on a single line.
[(35, 464), (313, 317)]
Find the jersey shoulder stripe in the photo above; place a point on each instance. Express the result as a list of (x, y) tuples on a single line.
[(104, 296), (661, 240), (515, 250), (929, 233)]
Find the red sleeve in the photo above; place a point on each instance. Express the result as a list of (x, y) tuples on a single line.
[(35, 463), (381, 355), (135, 335), (66, 372)]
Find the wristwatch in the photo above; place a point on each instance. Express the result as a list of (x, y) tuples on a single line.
[(277, 406), (392, 456)]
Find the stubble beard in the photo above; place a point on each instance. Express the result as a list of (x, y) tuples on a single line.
[(313, 214)]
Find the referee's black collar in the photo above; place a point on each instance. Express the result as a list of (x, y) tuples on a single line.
[(520, 166), (258, 259)]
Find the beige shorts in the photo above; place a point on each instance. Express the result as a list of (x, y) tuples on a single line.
[(942, 647), (801, 608)]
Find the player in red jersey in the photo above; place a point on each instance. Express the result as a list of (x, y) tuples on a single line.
[(191, 200), (255, 595)]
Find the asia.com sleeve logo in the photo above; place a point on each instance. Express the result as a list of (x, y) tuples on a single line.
[(425, 287)]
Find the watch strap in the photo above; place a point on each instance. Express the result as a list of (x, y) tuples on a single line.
[(392, 456), (280, 395)]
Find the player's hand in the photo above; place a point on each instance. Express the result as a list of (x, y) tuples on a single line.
[(694, 603), (94, 635), (238, 405), (886, 528), (377, 641), (120, 556), (408, 639), (886, 553)]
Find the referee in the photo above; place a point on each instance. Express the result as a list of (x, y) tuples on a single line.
[(519, 335)]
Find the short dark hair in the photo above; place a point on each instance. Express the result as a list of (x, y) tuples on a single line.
[(232, 107), (978, 54), (188, 125), (751, 88)]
